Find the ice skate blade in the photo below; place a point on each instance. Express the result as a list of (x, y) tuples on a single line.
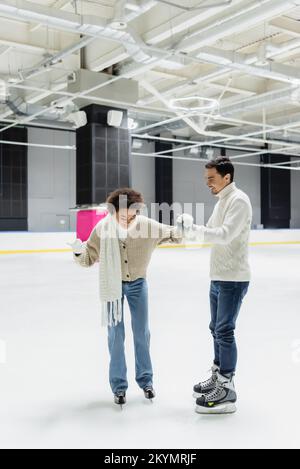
[(218, 410), (149, 400), (120, 406)]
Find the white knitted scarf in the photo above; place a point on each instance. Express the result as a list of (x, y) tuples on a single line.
[(110, 273)]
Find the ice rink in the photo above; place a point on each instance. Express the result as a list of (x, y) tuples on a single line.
[(54, 380)]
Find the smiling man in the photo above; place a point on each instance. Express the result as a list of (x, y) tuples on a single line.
[(228, 230)]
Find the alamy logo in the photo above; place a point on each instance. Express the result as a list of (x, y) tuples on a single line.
[(3, 352), (296, 351)]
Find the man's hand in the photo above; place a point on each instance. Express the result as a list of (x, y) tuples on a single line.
[(190, 230), (77, 246), (186, 221)]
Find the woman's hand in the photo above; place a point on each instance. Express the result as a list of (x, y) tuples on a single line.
[(186, 221), (77, 246)]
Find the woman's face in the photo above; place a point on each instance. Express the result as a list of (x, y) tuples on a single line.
[(126, 216)]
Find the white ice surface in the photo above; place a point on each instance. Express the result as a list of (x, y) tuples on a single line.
[(54, 385)]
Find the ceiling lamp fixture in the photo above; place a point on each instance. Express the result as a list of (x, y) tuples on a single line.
[(132, 124), (118, 24), (194, 150), (194, 104), (137, 144), (210, 153)]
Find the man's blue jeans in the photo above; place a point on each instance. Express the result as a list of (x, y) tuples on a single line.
[(226, 300), (137, 297)]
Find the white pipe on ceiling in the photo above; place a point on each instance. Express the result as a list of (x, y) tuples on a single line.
[(39, 145), (96, 27), (202, 160), (262, 11)]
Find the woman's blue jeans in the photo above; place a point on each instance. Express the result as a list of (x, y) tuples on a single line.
[(137, 296)]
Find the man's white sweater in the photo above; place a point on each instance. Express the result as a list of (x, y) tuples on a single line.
[(228, 230)]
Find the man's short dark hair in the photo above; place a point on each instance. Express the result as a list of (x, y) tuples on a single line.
[(132, 197), (223, 166)]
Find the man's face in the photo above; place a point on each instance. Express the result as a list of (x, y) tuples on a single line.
[(126, 217), (215, 181)]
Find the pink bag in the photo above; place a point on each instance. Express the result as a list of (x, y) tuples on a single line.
[(86, 222)]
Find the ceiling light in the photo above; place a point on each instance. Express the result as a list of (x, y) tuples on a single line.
[(210, 153), (132, 124), (137, 144), (194, 104), (194, 151), (119, 25)]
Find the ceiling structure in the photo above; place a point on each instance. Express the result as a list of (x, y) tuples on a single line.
[(210, 74)]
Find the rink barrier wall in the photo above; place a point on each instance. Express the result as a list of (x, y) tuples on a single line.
[(176, 246), (47, 243)]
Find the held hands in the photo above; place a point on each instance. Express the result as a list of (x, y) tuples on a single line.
[(191, 232), (77, 246), (186, 221)]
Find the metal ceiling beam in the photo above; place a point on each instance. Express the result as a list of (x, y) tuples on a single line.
[(130, 74), (287, 26), (95, 27), (192, 143), (202, 160), (266, 152), (133, 107), (201, 5), (160, 110), (191, 84), (182, 22), (150, 67), (60, 5), (259, 12), (197, 128), (38, 145), (288, 162)]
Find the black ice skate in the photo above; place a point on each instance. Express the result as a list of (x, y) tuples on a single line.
[(120, 398), (149, 393), (222, 400)]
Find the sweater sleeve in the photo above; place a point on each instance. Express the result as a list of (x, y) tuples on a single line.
[(91, 253), (234, 222)]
